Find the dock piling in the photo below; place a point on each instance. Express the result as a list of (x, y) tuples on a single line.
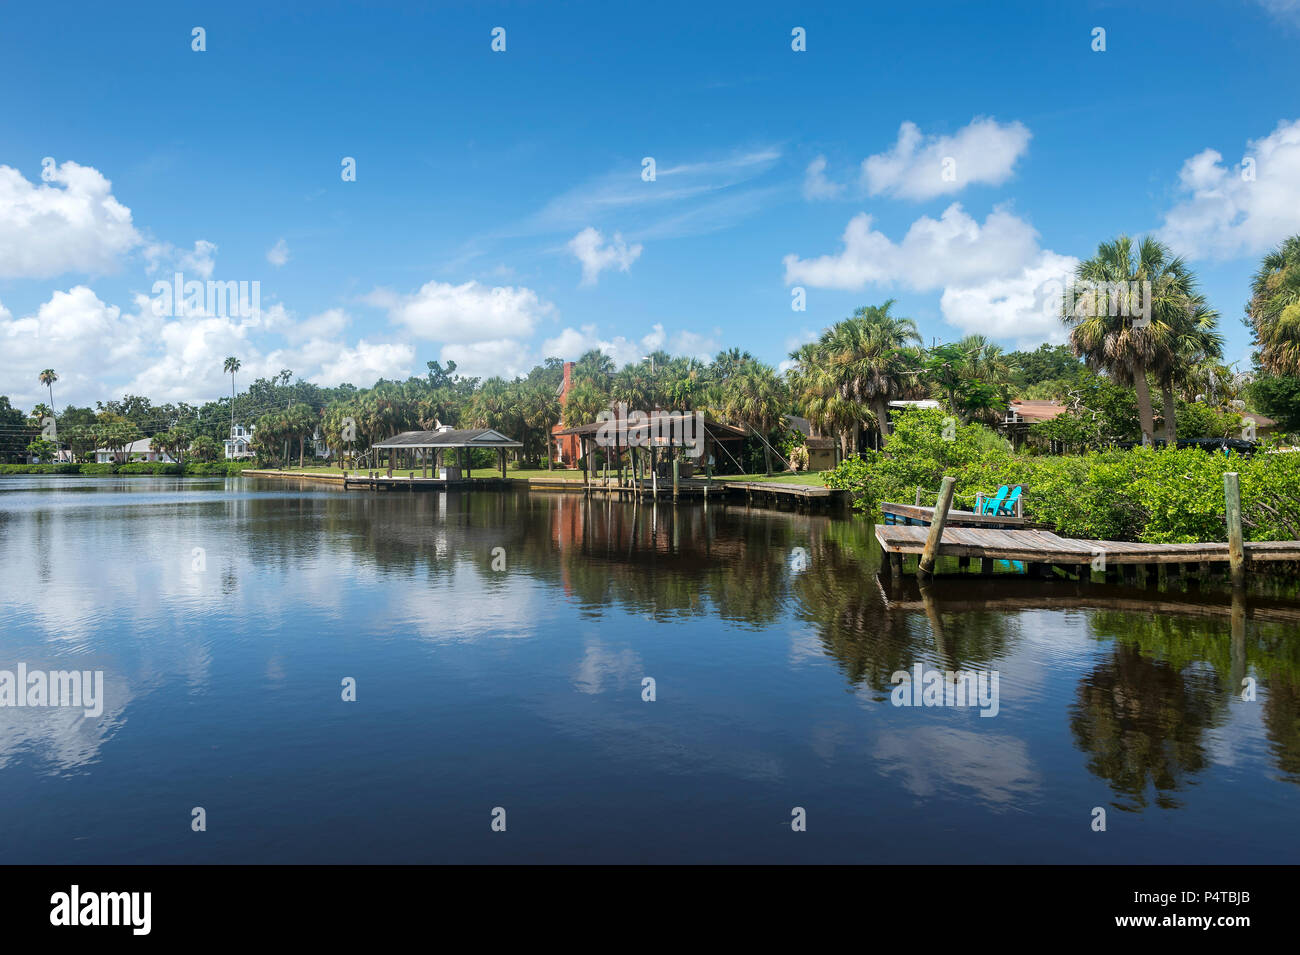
[(1236, 552), (926, 566)]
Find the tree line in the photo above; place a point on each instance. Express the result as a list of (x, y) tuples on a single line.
[(1122, 376)]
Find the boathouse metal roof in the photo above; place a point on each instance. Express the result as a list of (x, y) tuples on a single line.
[(713, 429), (449, 438)]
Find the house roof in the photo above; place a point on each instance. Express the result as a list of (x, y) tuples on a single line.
[(449, 438), (1035, 410), (922, 403), (1262, 421), (143, 446), (820, 444), (713, 429)]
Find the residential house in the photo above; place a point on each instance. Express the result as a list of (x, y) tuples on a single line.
[(239, 446), (1022, 413), (821, 450), (142, 450), (567, 448)]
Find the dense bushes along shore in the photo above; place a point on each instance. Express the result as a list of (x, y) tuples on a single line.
[(1143, 494), (194, 469)]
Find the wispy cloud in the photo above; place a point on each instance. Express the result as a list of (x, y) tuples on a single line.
[(688, 198)]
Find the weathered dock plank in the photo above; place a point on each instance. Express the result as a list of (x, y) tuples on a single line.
[(902, 513), (1047, 548)]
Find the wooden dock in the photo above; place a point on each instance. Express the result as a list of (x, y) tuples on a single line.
[(922, 516), (1043, 549)]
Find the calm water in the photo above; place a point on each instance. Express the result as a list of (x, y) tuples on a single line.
[(770, 639)]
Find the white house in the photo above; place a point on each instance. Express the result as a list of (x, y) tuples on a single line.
[(61, 456), (320, 447), (142, 450), (239, 446)]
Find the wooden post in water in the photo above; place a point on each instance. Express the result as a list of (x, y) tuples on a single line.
[(1236, 551), (918, 495), (926, 566), (676, 471)]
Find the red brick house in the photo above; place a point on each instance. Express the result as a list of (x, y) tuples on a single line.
[(565, 449)]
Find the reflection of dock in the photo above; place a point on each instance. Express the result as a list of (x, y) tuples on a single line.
[(776, 494), (1018, 595), (1043, 550), (763, 493), (379, 481)]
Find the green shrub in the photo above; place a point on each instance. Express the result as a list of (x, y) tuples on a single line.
[(1158, 496), (150, 467)]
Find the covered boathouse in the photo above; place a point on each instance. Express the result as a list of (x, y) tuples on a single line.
[(425, 450)]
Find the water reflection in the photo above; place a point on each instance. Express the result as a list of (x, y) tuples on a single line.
[(505, 637)]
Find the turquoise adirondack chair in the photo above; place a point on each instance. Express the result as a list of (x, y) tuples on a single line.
[(992, 505), (1008, 507)]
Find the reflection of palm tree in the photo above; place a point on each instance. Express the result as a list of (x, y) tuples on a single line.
[(1142, 722), (1282, 723)]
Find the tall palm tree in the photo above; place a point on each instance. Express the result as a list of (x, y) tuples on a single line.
[(593, 364), (586, 400), (1274, 309), (48, 378), (817, 393), (1194, 343), (759, 399), (230, 366), (872, 358), (1126, 346)]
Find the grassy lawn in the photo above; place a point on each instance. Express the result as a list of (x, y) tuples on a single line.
[(559, 474)]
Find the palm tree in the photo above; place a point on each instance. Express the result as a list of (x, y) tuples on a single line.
[(593, 364), (759, 398), (1127, 347), (48, 378), (818, 395), (1274, 309), (869, 359), (231, 366), (586, 400), (1193, 345), (972, 376)]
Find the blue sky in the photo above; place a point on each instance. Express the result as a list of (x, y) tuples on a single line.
[(499, 212)]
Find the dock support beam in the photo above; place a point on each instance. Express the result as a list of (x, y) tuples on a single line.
[(1236, 551), (926, 566)]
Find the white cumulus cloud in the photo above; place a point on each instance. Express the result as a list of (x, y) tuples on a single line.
[(365, 363), (590, 248), (72, 223), (995, 277), (504, 357), (917, 167), (1243, 209), (464, 313)]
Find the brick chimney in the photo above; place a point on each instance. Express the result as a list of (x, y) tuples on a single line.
[(568, 382)]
